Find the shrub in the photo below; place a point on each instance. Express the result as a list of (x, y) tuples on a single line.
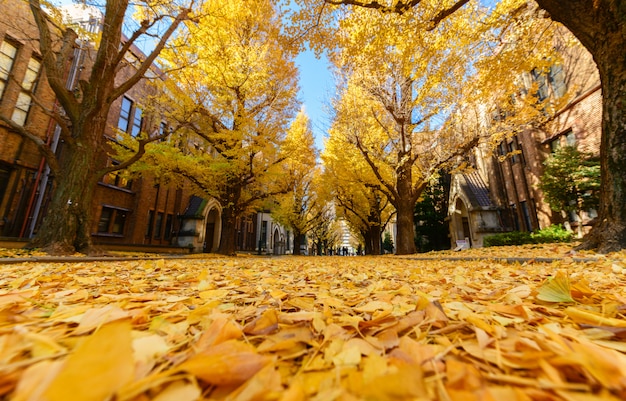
[(511, 238), (554, 233)]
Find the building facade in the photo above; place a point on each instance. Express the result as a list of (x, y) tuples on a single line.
[(501, 193)]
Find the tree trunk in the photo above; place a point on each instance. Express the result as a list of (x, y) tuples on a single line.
[(375, 239), (66, 227), (609, 234), (367, 239), (405, 205), (601, 28), (297, 240), (228, 236), (406, 230)]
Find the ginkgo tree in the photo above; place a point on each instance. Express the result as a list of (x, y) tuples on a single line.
[(600, 25), (349, 181), (235, 99), (299, 208), (398, 91), (83, 108)]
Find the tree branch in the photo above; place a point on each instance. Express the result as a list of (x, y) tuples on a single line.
[(56, 66), (148, 62), (445, 13), (389, 189), (42, 146), (399, 8)]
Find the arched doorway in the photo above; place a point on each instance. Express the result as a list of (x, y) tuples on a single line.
[(461, 221), (213, 228), (279, 243)]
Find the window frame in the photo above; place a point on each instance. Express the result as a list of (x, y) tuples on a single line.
[(137, 121), (125, 114), (5, 75), (117, 216), (28, 87)]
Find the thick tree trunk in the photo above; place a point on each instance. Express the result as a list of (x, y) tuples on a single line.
[(367, 241), (405, 205), (228, 236), (601, 28), (375, 239), (406, 230), (609, 234), (66, 227), (297, 240)]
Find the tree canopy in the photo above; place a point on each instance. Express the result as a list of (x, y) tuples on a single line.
[(235, 96)]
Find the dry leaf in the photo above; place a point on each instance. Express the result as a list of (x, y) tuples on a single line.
[(556, 289), (315, 329), (229, 363), (98, 367)]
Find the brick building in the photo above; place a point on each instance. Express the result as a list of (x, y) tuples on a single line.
[(130, 212), (21, 77), (502, 192)]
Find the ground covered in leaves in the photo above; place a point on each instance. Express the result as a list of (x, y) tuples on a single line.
[(315, 328)]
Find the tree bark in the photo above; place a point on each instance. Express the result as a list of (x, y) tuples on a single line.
[(297, 240), (406, 230), (67, 226), (601, 28), (367, 239), (405, 204), (229, 232), (375, 239)]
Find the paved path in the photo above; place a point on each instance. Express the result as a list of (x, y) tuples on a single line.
[(78, 259)]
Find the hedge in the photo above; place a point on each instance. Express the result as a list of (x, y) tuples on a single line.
[(554, 233)]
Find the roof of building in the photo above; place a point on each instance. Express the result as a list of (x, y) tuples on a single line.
[(195, 206), (476, 190)]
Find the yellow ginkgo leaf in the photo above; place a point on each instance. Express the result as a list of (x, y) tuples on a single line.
[(98, 367), (556, 289)]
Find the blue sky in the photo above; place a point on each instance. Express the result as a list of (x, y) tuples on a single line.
[(316, 91)]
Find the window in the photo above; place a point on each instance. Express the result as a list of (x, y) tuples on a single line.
[(167, 234), (526, 215), (515, 217), (502, 149), (105, 220), (7, 57), (556, 77), (24, 99), (118, 222), (550, 82), (125, 110), (150, 223), (157, 225), (542, 84), (570, 138), (513, 151), (131, 117), (117, 178), (112, 220), (137, 121), (263, 234), (555, 145)]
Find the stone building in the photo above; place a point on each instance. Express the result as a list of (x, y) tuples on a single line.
[(501, 193)]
